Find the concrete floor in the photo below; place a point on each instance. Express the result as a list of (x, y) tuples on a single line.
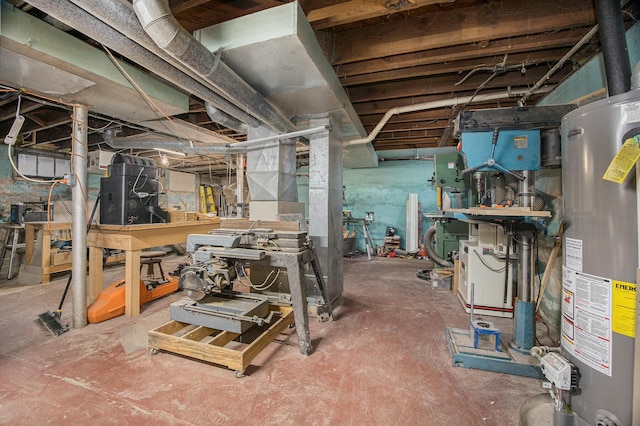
[(383, 360)]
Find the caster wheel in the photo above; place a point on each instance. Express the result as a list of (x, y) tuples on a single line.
[(153, 351), (239, 374)]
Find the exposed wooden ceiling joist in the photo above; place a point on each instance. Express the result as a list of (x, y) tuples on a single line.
[(511, 45), (359, 10), (387, 53), (490, 21)]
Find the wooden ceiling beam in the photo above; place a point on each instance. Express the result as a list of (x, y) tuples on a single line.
[(494, 20), (431, 142), (408, 135), (360, 10), (455, 67), (512, 45), (427, 115), (26, 106), (178, 6), (412, 126), (446, 84), (197, 14)]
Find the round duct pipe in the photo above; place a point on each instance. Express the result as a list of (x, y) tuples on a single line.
[(84, 21), (220, 117), (119, 15), (163, 28)]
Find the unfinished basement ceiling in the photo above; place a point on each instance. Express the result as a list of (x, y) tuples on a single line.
[(387, 54)]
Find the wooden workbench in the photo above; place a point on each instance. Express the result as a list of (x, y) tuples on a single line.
[(500, 212), (133, 239), (38, 237)]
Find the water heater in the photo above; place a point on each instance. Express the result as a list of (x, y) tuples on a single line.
[(600, 247)]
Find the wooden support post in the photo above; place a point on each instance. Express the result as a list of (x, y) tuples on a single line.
[(95, 273), (132, 283)]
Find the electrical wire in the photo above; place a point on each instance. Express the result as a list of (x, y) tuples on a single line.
[(13, 164), (55, 236), (56, 102), (144, 95), (487, 266), (63, 202), (100, 129), (7, 89), (18, 108), (53, 182), (258, 287), (273, 243), (84, 198), (77, 124), (15, 168), (135, 184), (161, 189)]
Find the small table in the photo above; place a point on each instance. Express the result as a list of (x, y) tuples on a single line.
[(37, 239), (365, 231), (133, 239)]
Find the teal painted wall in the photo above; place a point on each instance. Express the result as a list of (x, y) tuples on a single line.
[(385, 191), (591, 76)]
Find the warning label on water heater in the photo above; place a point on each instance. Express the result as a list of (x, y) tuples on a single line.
[(624, 308), (586, 318), (573, 253)]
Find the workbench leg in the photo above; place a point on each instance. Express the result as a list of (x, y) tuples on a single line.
[(3, 252), (132, 283), (298, 288), (46, 257), (95, 273), (14, 248), (29, 243)]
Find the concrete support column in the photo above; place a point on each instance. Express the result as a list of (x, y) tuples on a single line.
[(78, 226), (325, 203)]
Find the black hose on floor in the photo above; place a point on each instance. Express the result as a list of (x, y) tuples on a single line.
[(428, 241)]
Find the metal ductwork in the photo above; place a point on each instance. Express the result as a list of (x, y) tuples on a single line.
[(146, 141), (156, 142), (119, 15), (271, 171), (614, 46), (159, 23), (180, 145), (224, 119), (85, 22)]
